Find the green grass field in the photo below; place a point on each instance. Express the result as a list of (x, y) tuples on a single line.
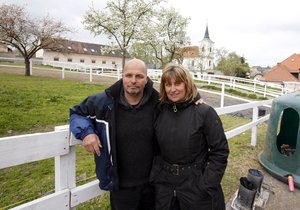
[(37, 104)]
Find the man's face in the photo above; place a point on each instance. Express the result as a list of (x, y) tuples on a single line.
[(134, 80)]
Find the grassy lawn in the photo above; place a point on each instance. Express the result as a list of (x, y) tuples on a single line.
[(37, 104)]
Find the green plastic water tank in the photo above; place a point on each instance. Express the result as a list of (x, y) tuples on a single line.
[(281, 153)]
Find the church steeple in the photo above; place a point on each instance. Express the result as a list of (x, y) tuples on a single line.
[(206, 35)]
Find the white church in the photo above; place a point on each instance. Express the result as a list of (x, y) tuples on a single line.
[(200, 58)]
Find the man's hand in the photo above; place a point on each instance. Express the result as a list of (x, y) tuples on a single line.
[(92, 143)]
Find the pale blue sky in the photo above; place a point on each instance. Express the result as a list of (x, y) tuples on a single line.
[(264, 31)]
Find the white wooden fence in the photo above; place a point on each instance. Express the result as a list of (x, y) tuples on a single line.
[(61, 145), (248, 85)]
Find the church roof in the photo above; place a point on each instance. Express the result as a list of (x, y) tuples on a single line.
[(206, 35)]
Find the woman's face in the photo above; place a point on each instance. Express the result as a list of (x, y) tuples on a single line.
[(175, 90)]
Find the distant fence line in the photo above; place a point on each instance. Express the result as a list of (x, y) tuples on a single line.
[(266, 89)]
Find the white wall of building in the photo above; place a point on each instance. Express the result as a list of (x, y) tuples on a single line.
[(86, 59)]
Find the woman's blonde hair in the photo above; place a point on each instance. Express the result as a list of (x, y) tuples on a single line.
[(179, 74)]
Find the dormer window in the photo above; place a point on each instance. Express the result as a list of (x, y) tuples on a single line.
[(84, 49), (92, 50), (69, 47)]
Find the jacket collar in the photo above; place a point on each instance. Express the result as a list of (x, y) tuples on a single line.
[(181, 105), (175, 107), (116, 92)]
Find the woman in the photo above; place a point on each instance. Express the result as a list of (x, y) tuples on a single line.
[(193, 147)]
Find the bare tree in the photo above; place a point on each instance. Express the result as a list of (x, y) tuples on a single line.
[(29, 35)]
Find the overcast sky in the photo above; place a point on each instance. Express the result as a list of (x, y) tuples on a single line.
[(263, 31)]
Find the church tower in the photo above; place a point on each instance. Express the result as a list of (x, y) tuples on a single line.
[(206, 52), (199, 58)]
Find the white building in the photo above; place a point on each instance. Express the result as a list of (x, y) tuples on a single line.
[(84, 53), (200, 58)]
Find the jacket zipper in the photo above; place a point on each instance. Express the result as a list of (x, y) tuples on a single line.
[(174, 108)]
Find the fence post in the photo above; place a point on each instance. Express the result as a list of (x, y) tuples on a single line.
[(265, 90), (222, 94), (65, 169), (233, 84), (118, 72), (91, 76), (30, 67), (63, 73), (254, 129), (284, 88)]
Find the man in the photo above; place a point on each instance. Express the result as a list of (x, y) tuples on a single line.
[(128, 109)]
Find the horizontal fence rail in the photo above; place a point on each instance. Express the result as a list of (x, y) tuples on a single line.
[(21, 149)]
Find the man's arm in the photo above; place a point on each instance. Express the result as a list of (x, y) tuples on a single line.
[(82, 126)]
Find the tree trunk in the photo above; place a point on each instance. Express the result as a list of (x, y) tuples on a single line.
[(123, 62), (27, 67)]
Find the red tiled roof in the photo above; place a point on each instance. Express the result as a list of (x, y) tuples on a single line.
[(190, 51), (279, 73), (293, 63), (70, 46)]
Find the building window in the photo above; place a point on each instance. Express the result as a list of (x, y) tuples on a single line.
[(203, 49), (193, 63), (81, 60), (93, 61), (56, 58), (70, 59), (296, 75), (209, 63), (103, 62), (113, 62), (210, 49), (84, 49)]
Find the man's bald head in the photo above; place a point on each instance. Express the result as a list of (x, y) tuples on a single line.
[(134, 80), (135, 64)]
